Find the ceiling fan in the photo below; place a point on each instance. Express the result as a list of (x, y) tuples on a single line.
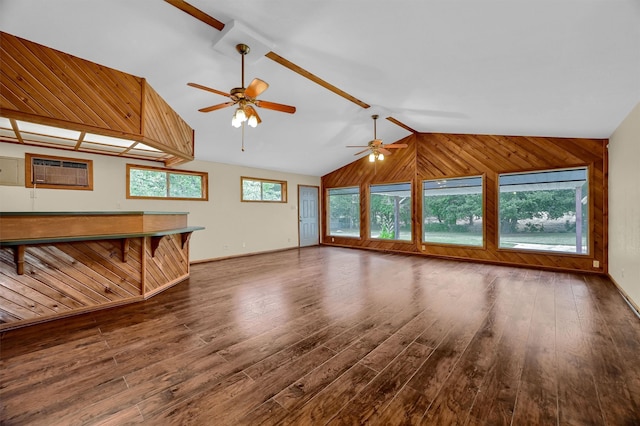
[(377, 149), (245, 98)]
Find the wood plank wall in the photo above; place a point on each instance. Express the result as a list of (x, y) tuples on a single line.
[(169, 266), (436, 156), (45, 86), (162, 127), (65, 279), (52, 86)]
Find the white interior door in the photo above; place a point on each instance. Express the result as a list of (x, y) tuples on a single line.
[(308, 210)]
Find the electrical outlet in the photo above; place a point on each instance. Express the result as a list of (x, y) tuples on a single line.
[(333, 239), (424, 248), (596, 263), (244, 244)]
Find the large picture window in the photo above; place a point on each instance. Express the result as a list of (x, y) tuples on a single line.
[(344, 211), (545, 210), (173, 184), (390, 211), (263, 190), (452, 211)]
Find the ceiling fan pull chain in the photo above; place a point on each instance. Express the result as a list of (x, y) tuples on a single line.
[(243, 136)]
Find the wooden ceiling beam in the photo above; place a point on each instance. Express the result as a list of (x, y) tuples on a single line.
[(197, 13), (401, 124), (210, 20), (299, 70)]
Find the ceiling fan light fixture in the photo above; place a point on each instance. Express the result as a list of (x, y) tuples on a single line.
[(245, 97), (240, 115), (375, 146)]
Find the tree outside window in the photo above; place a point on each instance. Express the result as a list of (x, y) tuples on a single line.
[(155, 182), (545, 210), (452, 211), (390, 211), (344, 211), (263, 190)]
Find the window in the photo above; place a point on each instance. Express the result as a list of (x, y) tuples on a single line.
[(156, 182), (390, 211), (46, 171), (544, 210), (452, 211), (263, 190), (344, 211)]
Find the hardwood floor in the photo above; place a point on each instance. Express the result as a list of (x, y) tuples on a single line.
[(327, 335)]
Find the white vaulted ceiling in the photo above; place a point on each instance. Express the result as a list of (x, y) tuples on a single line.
[(538, 68)]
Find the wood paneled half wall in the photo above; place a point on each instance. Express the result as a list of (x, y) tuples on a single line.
[(57, 264), (445, 156)]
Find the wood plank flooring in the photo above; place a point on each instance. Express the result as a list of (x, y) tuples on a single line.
[(326, 335)]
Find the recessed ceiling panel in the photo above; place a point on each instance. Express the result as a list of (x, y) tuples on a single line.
[(107, 140), (146, 154), (50, 140), (41, 129), (143, 147), (101, 147)]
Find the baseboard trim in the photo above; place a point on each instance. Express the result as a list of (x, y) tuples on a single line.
[(471, 260), (235, 256), (634, 307)]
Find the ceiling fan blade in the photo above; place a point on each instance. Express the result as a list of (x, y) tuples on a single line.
[(384, 151), (396, 145), (361, 152), (256, 87), (276, 107), (215, 107), (357, 146), (208, 89), (249, 111)]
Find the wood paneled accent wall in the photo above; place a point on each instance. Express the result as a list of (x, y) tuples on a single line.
[(45, 86), (437, 156)]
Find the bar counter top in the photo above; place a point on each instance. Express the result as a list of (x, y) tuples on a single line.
[(35, 225)]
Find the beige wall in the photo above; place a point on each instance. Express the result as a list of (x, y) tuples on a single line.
[(232, 227), (624, 205)]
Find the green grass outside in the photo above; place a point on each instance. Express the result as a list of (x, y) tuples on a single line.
[(546, 240), (562, 241)]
